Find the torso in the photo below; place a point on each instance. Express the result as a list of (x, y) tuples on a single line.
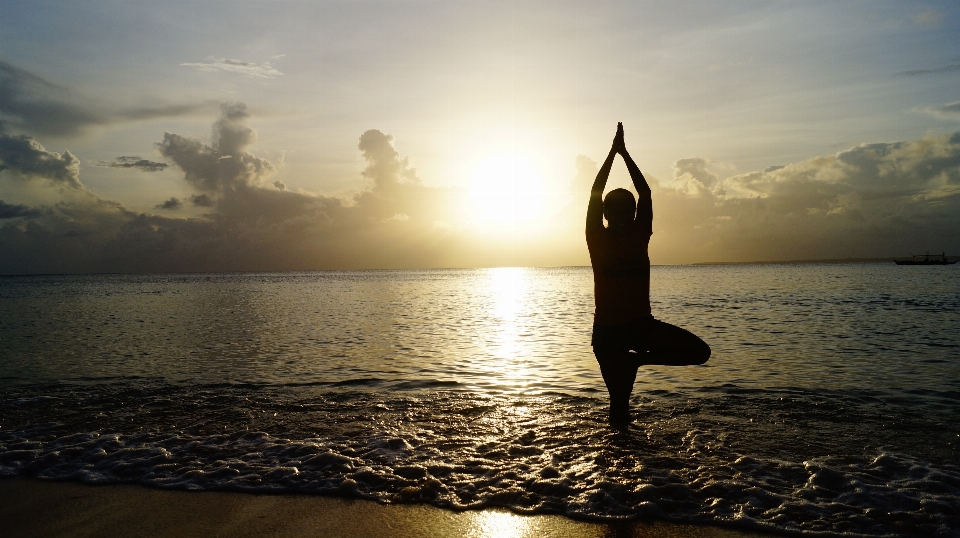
[(621, 274)]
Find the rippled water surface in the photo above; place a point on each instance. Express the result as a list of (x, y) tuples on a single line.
[(829, 404)]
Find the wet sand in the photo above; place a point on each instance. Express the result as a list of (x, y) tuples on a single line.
[(30, 507)]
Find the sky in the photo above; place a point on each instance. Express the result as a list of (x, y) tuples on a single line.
[(283, 135)]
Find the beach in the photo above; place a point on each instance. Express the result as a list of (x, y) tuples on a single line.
[(30, 507), (449, 399)]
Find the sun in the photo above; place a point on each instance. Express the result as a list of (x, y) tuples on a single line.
[(507, 189)]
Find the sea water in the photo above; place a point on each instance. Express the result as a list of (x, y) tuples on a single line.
[(830, 403)]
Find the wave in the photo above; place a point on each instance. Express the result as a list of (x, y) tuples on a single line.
[(777, 461)]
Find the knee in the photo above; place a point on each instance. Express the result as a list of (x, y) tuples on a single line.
[(702, 354)]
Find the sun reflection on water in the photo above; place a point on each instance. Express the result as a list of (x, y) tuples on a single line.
[(508, 288), (490, 524)]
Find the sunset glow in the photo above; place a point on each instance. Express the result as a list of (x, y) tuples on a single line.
[(508, 189), (463, 134)]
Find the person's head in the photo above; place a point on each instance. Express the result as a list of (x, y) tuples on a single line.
[(619, 207)]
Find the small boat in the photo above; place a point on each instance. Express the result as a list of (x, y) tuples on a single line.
[(927, 259)]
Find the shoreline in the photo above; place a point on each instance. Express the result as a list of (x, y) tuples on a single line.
[(33, 507)]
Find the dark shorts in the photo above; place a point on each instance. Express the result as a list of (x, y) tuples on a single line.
[(654, 341), (630, 336)]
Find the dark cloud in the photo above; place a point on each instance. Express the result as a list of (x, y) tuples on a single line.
[(30, 103), (279, 184), (201, 200), (872, 200), (172, 203), (12, 211), (952, 108), (68, 237), (947, 111), (253, 225), (224, 165), (934, 71), (23, 156), (773, 168), (143, 165)]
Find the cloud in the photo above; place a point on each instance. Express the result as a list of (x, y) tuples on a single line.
[(132, 162), (880, 199), (29, 101), (12, 211), (384, 165), (587, 170), (949, 111), (32, 104), (873, 200), (201, 200), (934, 71), (24, 157), (66, 237), (248, 69), (172, 203), (252, 223), (224, 165), (694, 170), (279, 184), (929, 18)]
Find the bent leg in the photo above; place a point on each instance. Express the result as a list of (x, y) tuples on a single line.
[(619, 371), (669, 345)]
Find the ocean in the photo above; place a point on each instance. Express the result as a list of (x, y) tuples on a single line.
[(830, 404)]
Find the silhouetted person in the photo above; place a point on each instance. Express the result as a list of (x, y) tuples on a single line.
[(625, 334)]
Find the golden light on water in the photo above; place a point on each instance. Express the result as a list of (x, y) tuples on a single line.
[(503, 524), (508, 288), (499, 525)]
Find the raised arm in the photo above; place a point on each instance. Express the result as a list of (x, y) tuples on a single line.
[(644, 202), (595, 206)]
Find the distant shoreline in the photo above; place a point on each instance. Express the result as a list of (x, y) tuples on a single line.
[(756, 262), (819, 260)]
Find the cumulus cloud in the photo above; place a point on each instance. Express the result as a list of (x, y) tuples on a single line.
[(253, 224), (224, 165), (384, 165), (691, 175), (248, 69), (32, 104), (12, 211), (24, 157), (141, 164), (873, 200), (881, 199), (172, 203), (587, 170)]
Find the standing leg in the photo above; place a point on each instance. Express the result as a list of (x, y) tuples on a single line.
[(669, 345), (619, 370)]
